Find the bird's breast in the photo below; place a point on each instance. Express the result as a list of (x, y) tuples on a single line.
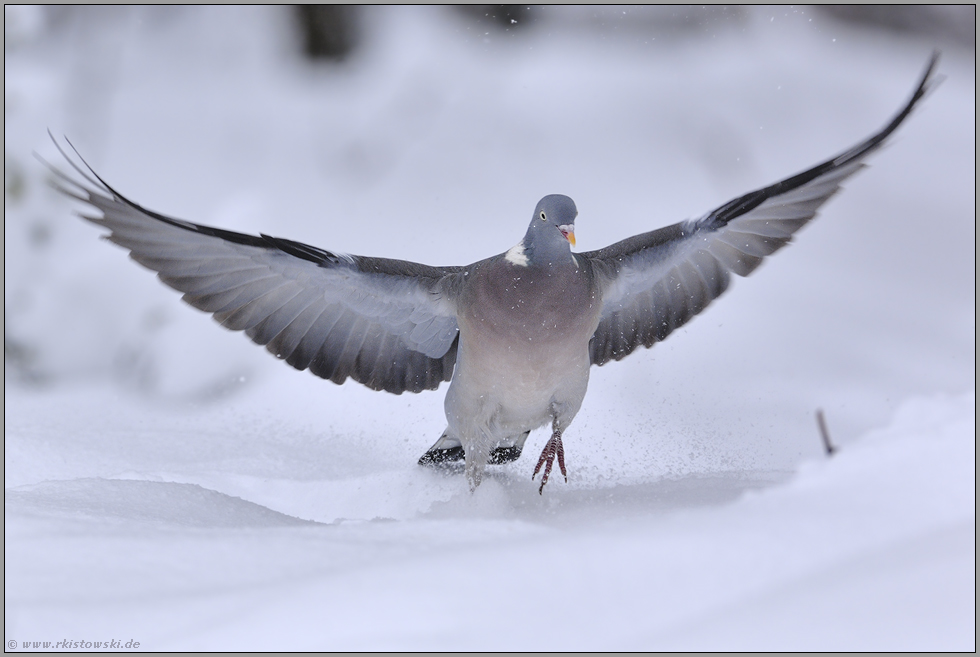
[(523, 344), (529, 309)]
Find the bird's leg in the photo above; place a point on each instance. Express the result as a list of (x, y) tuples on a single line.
[(551, 449)]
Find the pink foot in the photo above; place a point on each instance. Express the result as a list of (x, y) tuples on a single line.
[(551, 449)]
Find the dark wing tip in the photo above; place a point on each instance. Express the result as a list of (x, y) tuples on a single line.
[(927, 84), (739, 206), (77, 190), (61, 178)]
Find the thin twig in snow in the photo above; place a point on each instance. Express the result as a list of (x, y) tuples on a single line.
[(824, 434)]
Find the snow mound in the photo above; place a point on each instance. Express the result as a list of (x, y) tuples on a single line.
[(183, 505)]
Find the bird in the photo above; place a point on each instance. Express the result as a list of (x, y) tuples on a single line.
[(515, 334)]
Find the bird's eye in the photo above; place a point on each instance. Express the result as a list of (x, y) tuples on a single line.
[(543, 217)]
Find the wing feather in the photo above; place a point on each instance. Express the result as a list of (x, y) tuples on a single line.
[(388, 324), (653, 283)]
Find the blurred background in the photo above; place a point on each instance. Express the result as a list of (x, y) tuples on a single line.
[(427, 133), (161, 473), (285, 118)]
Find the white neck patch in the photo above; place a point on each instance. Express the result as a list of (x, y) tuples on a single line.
[(516, 255)]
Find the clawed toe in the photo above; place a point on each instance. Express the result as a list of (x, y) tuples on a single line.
[(551, 449)]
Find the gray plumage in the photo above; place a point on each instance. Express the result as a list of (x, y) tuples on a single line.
[(515, 334)]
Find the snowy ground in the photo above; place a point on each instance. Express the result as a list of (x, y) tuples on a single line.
[(168, 482)]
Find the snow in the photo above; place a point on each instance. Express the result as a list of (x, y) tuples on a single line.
[(170, 483)]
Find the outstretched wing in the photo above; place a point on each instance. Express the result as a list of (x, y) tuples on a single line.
[(654, 283), (388, 324)]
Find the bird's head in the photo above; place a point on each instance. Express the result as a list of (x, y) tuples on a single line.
[(552, 229)]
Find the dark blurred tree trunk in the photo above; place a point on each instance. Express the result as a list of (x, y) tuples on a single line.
[(947, 23), (328, 31)]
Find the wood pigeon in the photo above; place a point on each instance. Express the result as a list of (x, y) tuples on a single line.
[(515, 334)]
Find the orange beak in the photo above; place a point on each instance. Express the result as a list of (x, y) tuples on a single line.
[(569, 233)]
